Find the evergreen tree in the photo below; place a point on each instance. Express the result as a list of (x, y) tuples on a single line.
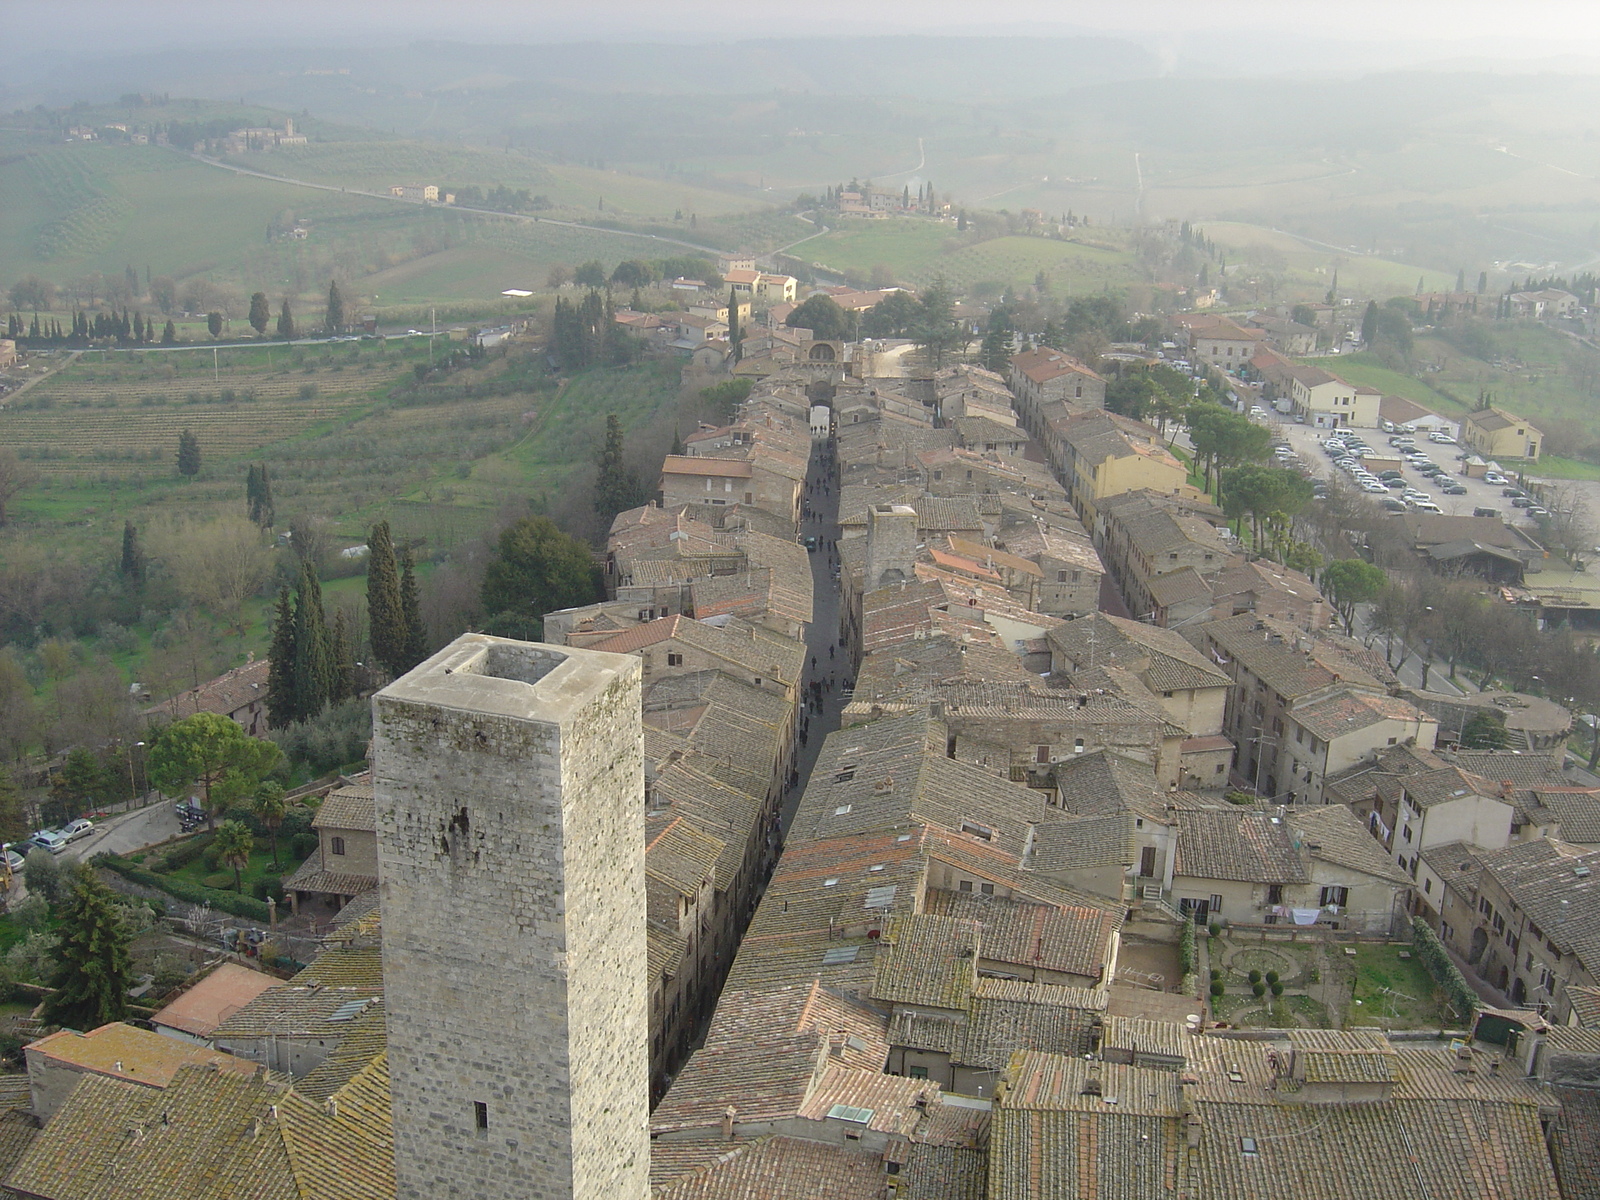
[(1369, 323), (416, 630), (735, 334), (169, 335), (342, 650), (385, 611), (214, 324), (93, 970), (260, 313), (335, 319), (313, 659), (258, 495), (132, 565), (281, 708), (616, 489), (188, 453), (536, 569), (286, 321)]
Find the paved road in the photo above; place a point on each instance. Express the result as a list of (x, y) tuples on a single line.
[(823, 636), (128, 832)]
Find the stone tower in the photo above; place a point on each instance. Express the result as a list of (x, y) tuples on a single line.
[(891, 544), (510, 804)]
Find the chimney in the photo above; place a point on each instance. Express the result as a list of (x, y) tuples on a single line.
[(1091, 1084), (1505, 789), (727, 1122), (331, 1107), (1463, 1063)]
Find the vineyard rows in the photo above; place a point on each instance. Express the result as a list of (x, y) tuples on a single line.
[(68, 389), (101, 436)]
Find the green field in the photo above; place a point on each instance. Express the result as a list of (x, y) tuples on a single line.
[(1312, 266), (1365, 370), (917, 251)]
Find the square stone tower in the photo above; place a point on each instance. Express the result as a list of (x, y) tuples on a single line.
[(510, 805), (891, 545)]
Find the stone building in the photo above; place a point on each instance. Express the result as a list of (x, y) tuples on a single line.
[(509, 784)]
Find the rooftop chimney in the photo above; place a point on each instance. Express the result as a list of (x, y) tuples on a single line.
[(727, 1122)]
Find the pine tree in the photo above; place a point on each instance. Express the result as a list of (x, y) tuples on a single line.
[(313, 659), (335, 318), (169, 335), (132, 565), (188, 453), (93, 969), (260, 313), (416, 630), (342, 651), (281, 708), (385, 613), (286, 321), (735, 335)]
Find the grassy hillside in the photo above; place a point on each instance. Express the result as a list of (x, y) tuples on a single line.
[(918, 250)]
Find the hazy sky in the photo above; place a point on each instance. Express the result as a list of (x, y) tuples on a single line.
[(1520, 27)]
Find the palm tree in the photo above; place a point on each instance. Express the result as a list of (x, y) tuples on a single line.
[(270, 808), (233, 844)]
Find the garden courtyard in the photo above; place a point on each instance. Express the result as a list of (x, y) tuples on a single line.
[(1275, 982)]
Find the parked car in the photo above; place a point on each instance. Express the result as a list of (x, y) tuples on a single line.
[(1391, 473), (1521, 502), (1427, 506), (48, 839), (1390, 504), (1512, 491), (14, 859), (1454, 489), (1538, 510), (1485, 512), (1443, 439), (81, 828), (1495, 478)]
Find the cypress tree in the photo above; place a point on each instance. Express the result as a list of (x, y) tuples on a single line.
[(385, 613), (258, 495), (132, 566), (335, 321), (169, 335), (416, 632), (343, 654), (281, 708), (735, 336), (313, 659), (616, 488), (260, 313), (188, 453), (286, 321)]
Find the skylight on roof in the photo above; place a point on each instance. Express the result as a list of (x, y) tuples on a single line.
[(842, 809), (831, 882), (348, 1011), (881, 897), (835, 956), (845, 1112)]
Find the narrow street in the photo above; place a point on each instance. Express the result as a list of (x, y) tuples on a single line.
[(822, 638)]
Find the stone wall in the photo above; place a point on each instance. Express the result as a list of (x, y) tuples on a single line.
[(509, 788)]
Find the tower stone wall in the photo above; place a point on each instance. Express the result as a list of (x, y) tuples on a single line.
[(509, 785), (891, 544)]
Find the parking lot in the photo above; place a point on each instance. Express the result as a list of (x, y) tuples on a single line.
[(1307, 445)]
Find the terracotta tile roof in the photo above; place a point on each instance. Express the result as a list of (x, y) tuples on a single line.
[(1292, 662), (305, 1004), (1077, 941), (1345, 712), (207, 1003), (1558, 887), (1042, 364), (363, 1040), (1334, 834), (1081, 844), (1105, 784), (1160, 657), (347, 808), (681, 856), (945, 1172), (930, 960), (1574, 1137), (1146, 1038), (119, 1051), (226, 694), (311, 877), (679, 464), (1247, 847), (778, 1169), (1007, 1015)]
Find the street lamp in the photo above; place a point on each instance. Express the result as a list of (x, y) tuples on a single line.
[(133, 780)]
